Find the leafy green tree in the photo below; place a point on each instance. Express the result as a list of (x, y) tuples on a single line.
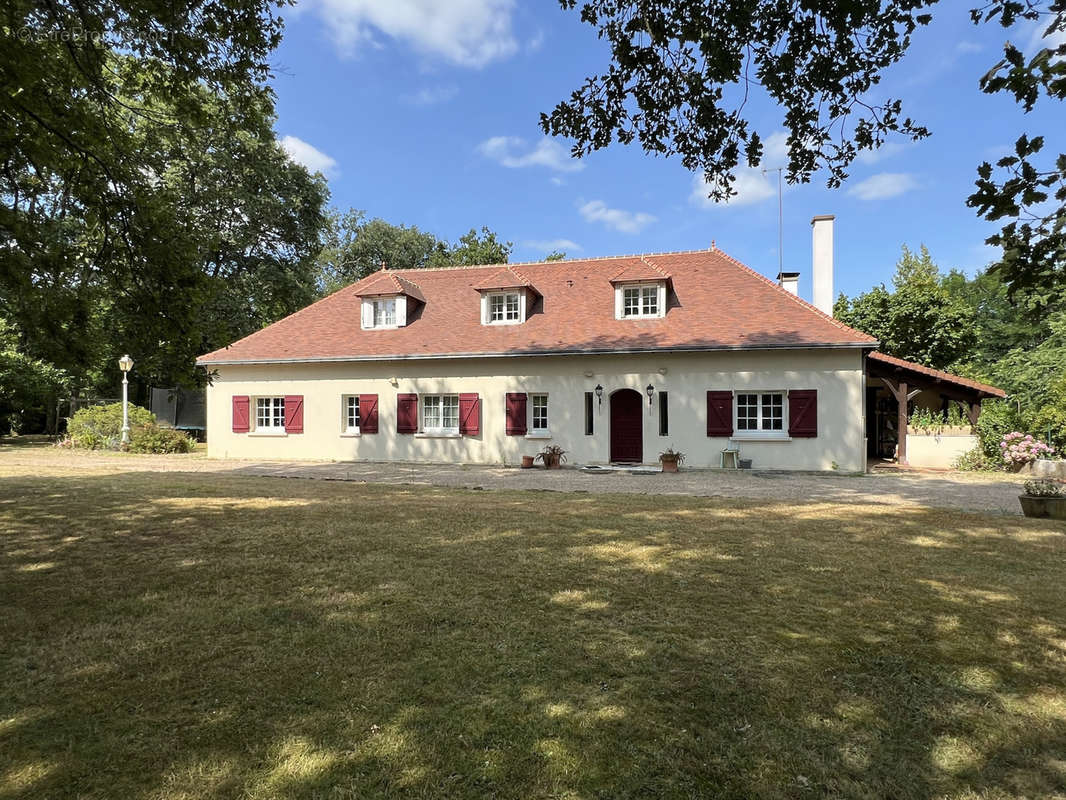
[(473, 249), (219, 239), (555, 255), (919, 319), (29, 387), (357, 246), (681, 74)]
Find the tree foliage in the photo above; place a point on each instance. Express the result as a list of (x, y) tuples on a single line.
[(357, 246), (681, 75), (919, 320)]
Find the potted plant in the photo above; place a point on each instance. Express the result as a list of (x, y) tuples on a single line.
[(671, 459), (1043, 499), (552, 456)]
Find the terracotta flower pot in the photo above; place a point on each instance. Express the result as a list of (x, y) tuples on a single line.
[(527, 462), (669, 464), (552, 462)]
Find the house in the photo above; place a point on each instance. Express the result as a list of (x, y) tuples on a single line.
[(613, 359)]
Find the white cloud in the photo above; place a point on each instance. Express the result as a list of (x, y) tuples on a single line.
[(883, 185), (432, 95), (548, 245), (535, 43), (616, 218), (964, 47), (310, 156), (887, 150), (1037, 40), (470, 33), (511, 151), (751, 185)]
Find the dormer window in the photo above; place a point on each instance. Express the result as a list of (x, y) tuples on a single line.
[(505, 307), (641, 300), (384, 312)]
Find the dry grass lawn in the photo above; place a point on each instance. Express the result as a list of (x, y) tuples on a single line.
[(180, 636)]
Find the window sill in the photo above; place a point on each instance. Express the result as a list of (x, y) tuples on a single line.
[(508, 322), (268, 433), (544, 435), (438, 435), (350, 434), (755, 437)]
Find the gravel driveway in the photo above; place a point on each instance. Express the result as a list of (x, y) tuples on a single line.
[(963, 491)]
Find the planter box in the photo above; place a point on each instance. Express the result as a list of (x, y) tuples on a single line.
[(938, 451), (669, 465), (1043, 507), (941, 430)]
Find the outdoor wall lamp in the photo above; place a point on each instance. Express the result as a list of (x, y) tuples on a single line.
[(599, 394), (125, 364), (651, 393)]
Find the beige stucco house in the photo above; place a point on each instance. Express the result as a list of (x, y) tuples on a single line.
[(612, 359)]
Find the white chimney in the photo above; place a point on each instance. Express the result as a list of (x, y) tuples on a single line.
[(789, 281), (822, 262)]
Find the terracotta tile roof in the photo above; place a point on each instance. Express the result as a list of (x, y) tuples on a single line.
[(388, 282), (506, 278), (716, 303), (946, 377), (642, 271)]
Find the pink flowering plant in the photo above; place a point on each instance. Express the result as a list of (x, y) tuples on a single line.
[(1021, 448)]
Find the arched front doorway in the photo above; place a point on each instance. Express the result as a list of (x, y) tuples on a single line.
[(627, 426)]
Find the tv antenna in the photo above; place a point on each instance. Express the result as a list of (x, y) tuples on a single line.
[(780, 216)]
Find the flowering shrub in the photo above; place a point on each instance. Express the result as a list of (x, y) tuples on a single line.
[(1021, 448), (1043, 489)]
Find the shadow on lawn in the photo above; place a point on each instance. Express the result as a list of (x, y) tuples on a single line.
[(221, 636)]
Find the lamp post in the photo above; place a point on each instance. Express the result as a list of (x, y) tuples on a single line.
[(125, 364)]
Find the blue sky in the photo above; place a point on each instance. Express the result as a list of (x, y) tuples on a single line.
[(425, 113)]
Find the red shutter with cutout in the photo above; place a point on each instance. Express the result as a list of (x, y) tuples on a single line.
[(294, 413), (516, 413), (719, 413), (407, 413), (469, 414), (368, 413), (241, 405), (803, 413)]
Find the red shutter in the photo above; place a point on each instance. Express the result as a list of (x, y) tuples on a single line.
[(368, 413), (516, 413), (719, 413), (407, 413), (240, 414), (803, 413), (469, 414), (294, 413)]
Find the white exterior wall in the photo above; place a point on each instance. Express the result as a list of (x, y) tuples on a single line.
[(836, 374)]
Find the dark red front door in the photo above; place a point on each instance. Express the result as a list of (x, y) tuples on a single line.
[(627, 426)]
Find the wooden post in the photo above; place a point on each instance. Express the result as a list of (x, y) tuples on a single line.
[(973, 411), (899, 391)]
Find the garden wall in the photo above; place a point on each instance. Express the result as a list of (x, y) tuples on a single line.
[(938, 450)]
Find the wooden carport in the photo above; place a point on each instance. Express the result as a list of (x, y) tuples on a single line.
[(906, 379)]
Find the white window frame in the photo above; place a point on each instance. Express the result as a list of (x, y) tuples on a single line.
[(275, 415), (762, 418), (645, 289), (534, 430), (346, 414), (487, 311), (372, 312), (439, 429)]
